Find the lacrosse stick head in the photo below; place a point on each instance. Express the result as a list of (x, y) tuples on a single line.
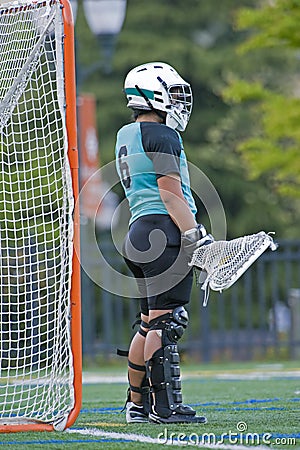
[(224, 262)]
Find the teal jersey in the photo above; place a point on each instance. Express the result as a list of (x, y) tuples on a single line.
[(146, 151)]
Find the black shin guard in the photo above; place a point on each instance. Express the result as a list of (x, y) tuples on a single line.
[(164, 373), (163, 368), (144, 389), (155, 373)]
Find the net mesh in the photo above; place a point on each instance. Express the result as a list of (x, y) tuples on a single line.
[(36, 205), (223, 262)]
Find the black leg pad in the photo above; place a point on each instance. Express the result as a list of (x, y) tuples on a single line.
[(164, 374)]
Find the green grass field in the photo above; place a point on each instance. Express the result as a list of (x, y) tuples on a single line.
[(246, 404)]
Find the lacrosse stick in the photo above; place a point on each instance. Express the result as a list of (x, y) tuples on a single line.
[(224, 262)]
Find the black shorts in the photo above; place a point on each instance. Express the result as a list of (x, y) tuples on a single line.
[(152, 252)]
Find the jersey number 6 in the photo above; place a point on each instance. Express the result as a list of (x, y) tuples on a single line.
[(124, 168)]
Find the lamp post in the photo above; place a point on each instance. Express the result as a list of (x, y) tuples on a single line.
[(105, 19)]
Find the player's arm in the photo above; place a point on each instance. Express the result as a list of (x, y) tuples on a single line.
[(172, 196), (193, 235)]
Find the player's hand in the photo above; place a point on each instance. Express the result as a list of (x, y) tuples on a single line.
[(195, 238)]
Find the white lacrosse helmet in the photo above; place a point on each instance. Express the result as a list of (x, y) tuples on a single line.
[(158, 86)]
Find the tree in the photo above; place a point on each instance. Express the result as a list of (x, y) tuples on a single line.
[(272, 149), (198, 38)]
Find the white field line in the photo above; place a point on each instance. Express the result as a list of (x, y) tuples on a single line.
[(94, 378), (258, 375), (95, 432), (90, 378)]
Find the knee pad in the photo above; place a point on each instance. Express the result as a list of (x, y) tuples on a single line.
[(172, 325), (175, 328)]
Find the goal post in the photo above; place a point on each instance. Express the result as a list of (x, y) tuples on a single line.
[(40, 317)]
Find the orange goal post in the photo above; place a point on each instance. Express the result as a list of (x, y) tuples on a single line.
[(40, 318)]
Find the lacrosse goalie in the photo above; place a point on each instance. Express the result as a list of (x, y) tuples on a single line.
[(163, 234)]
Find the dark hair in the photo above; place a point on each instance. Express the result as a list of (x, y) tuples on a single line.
[(138, 112)]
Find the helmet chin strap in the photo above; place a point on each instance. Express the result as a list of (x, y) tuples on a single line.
[(174, 120), (159, 113)]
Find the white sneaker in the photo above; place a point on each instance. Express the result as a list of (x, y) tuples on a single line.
[(135, 413)]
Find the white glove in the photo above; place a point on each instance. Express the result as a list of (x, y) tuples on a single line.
[(195, 238)]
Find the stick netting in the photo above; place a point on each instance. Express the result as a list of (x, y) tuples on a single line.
[(36, 205), (223, 262)]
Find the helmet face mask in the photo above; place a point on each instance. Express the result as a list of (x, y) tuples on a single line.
[(157, 86), (181, 105)]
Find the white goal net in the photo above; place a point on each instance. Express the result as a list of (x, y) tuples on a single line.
[(36, 225)]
